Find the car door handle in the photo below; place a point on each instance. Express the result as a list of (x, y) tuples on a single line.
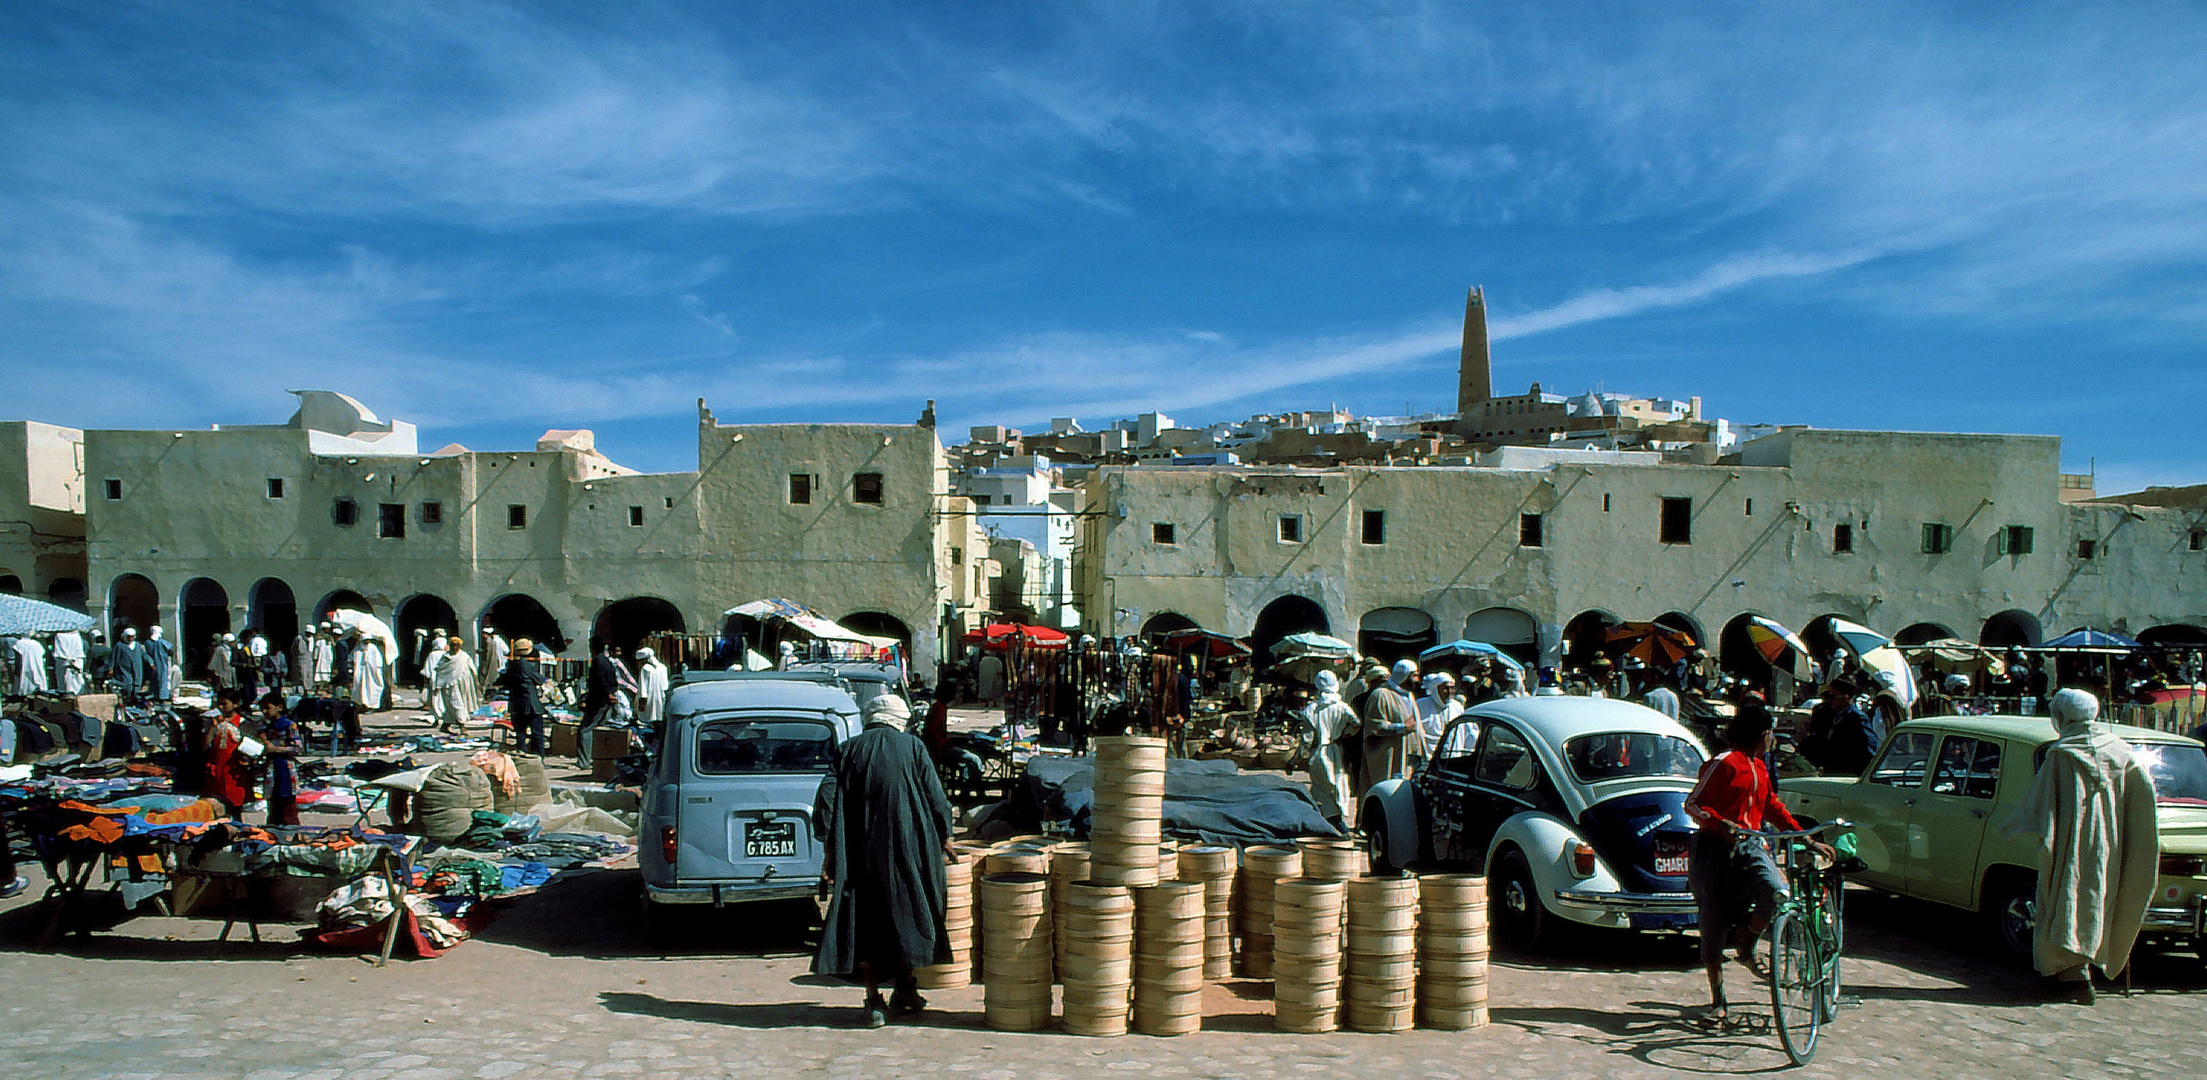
[(1908, 802), (1978, 814)]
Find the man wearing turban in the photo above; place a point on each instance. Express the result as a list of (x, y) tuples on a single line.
[(885, 829)]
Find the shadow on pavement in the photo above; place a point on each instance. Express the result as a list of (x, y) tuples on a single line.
[(601, 916), (1662, 1034), (786, 1014)]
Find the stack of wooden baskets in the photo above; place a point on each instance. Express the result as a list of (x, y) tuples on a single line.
[(1214, 868), (957, 925), (1306, 954), (1068, 864), (1452, 951), (1016, 950), (1098, 968), (1126, 823), (1382, 977), (1262, 868), (1168, 958), (1332, 859)]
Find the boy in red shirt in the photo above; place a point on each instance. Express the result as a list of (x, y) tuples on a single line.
[(1730, 869)]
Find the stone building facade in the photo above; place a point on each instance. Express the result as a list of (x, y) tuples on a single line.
[(270, 526), (1925, 535), (42, 512)]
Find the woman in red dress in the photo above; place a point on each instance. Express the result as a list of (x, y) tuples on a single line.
[(229, 771)]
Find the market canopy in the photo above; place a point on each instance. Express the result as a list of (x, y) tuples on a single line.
[(2093, 641), (23, 615), (1956, 655), (1466, 648), (369, 627), (1001, 636), (803, 618), (1199, 642), (1302, 656), (1858, 638)]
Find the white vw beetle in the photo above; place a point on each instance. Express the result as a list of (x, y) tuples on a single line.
[(1573, 807)]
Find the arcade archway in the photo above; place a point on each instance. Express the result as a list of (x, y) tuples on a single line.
[(204, 615), (1289, 614), (624, 624), (132, 601)]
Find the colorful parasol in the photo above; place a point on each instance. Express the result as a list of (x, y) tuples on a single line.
[(1656, 645), (1466, 648), (1001, 636)]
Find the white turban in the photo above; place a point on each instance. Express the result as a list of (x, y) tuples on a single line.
[(886, 709), (1438, 678), (1328, 683), (2073, 707), (1405, 670), (645, 654)]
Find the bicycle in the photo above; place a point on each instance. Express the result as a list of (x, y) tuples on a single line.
[(1807, 936)]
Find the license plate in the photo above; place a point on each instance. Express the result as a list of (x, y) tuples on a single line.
[(1670, 855), (1648, 920), (770, 840)]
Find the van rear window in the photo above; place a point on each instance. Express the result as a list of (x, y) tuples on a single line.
[(728, 747)]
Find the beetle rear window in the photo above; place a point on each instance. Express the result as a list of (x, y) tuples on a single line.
[(728, 747), (1623, 755)]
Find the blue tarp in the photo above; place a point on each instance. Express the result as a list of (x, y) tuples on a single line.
[(23, 615), (1210, 801)]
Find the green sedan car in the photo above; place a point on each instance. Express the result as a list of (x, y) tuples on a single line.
[(1926, 806)]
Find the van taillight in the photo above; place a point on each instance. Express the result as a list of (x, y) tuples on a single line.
[(1582, 858), (667, 844)]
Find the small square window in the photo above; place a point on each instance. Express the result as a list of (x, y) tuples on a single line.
[(2016, 540), (1529, 528), (114, 489), (1375, 526), (1291, 529), (635, 517), (2087, 550), (1161, 532), (866, 488), (1750, 508), (517, 516), (957, 556), (980, 500), (800, 489), (390, 521), (2199, 539), (1842, 538), (432, 513), (275, 487), (1678, 521), (670, 502), (1605, 504), (344, 513), (1938, 538)]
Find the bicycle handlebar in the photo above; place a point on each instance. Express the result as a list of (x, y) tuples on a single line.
[(1799, 833)]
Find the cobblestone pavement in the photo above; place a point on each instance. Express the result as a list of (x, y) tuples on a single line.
[(563, 986)]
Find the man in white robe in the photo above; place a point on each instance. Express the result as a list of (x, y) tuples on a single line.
[(2092, 806), (433, 658), (495, 654), (69, 677), (322, 659), (453, 691), (367, 673), (1327, 720), (1438, 707), (651, 689), (161, 660), (30, 664)]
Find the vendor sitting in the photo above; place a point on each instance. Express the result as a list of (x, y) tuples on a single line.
[(229, 776), (281, 734)]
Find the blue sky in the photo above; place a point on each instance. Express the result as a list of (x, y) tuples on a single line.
[(492, 220)]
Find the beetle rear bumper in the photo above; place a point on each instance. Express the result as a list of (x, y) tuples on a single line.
[(1647, 903)]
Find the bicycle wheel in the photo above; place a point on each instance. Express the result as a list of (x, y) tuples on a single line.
[(1796, 987), (1833, 917)]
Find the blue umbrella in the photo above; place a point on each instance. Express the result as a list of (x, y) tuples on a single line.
[(1463, 647), (2092, 639), (23, 615)]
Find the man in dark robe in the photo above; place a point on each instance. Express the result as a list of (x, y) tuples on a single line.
[(886, 826)]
